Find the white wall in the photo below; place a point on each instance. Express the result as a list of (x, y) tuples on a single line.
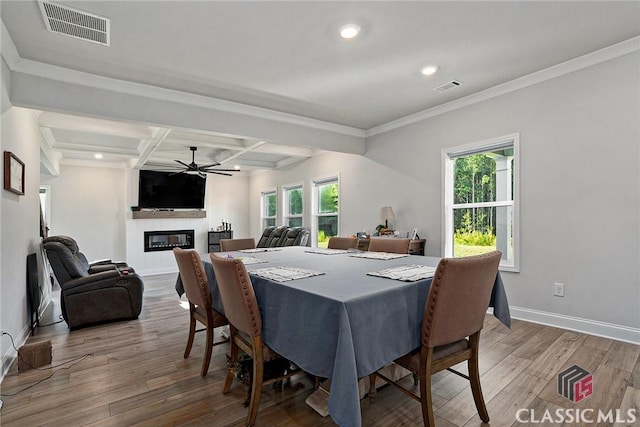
[(580, 190), (89, 204), (19, 230)]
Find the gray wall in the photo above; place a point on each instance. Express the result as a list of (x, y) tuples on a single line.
[(580, 190)]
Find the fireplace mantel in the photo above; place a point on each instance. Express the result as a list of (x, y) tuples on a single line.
[(169, 214)]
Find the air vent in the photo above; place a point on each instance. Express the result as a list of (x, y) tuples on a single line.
[(75, 23), (448, 86)]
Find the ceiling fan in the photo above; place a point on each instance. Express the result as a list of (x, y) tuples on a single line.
[(201, 170)]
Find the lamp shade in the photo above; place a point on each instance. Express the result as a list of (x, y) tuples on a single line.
[(386, 214)]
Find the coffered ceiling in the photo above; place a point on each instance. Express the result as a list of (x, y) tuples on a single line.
[(287, 57)]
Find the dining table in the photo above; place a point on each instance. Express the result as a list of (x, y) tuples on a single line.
[(341, 322)]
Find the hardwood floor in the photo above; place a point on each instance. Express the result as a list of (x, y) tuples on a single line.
[(133, 373)]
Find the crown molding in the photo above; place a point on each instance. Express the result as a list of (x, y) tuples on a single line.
[(608, 53)]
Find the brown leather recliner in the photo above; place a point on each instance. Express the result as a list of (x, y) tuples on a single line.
[(92, 293)]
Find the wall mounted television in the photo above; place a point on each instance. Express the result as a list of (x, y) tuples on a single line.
[(168, 190)]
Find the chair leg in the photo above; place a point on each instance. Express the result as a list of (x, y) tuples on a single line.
[(474, 379), (425, 388), (192, 333), (256, 389), (207, 351), (372, 387)]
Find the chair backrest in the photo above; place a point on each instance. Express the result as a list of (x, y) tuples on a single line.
[(193, 276), (70, 243), (66, 265), (336, 242), (458, 298), (278, 236), (227, 245), (238, 298), (296, 236), (303, 238), (391, 245), (264, 239)]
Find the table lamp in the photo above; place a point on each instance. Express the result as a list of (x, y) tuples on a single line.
[(387, 215)]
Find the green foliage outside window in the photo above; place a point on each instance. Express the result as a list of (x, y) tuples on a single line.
[(295, 201), (328, 198), (271, 204)]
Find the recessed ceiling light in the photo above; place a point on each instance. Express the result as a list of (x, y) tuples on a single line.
[(349, 31), (429, 70), (236, 167), (97, 156)]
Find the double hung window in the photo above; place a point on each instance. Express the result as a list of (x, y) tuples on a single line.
[(269, 208), (293, 205), (326, 209), (481, 200)]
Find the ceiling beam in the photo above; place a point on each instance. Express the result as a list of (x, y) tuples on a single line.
[(159, 135), (227, 156), (92, 125)]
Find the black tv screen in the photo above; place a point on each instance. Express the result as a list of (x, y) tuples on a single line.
[(168, 190)]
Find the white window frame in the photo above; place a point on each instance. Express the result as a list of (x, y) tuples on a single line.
[(448, 157), (285, 203), (263, 207), (315, 183)]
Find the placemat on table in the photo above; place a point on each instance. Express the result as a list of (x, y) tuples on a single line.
[(378, 255), (256, 250), (406, 273), (325, 251), (247, 260), (285, 274)]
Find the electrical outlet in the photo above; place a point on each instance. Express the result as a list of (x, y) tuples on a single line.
[(558, 289)]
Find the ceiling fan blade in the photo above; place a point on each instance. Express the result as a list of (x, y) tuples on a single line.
[(208, 166), (220, 173), (183, 164), (176, 173), (219, 170)]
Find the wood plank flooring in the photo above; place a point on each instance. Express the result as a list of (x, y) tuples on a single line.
[(133, 374)]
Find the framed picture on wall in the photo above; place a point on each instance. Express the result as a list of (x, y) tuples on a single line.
[(13, 173)]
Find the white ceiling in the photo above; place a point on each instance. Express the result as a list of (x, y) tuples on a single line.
[(287, 56)]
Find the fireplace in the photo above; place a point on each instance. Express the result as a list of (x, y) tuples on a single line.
[(167, 240)]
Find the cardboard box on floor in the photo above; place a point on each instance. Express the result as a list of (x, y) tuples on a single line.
[(319, 399)]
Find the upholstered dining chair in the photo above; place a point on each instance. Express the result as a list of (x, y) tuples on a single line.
[(245, 327), (336, 242), (390, 245), (196, 287), (453, 318), (227, 245)]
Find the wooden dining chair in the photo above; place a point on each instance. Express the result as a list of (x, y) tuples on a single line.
[(198, 292), (228, 245), (245, 327), (453, 318), (390, 245), (336, 242)]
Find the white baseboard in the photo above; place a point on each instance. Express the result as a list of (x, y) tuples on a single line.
[(591, 327)]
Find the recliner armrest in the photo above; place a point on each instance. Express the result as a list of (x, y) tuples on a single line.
[(109, 275), (100, 268)]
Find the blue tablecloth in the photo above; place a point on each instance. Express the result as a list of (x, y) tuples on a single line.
[(343, 324)]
